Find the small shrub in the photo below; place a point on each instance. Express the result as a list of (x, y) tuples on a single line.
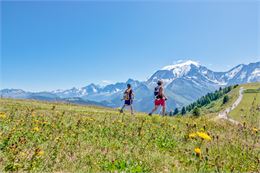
[(225, 99), (176, 111), (196, 112), (183, 111)]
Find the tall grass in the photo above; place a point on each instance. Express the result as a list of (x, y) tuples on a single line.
[(37, 136)]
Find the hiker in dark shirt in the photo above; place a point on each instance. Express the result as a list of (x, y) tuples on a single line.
[(128, 98)]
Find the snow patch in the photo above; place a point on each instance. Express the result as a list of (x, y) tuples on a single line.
[(204, 72), (254, 74), (117, 90), (233, 72), (181, 65), (218, 82), (243, 75), (84, 92), (94, 89), (58, 91)]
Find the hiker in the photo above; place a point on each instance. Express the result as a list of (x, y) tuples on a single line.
[(128, 97), (160, 98)]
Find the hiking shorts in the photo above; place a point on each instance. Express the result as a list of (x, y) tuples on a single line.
[(159, 102), (128, 102)]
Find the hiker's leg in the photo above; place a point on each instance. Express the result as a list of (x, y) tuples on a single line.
[(122, 109), (163, 110), (154, 109), (131, 108), (156, 105), (163, 104)]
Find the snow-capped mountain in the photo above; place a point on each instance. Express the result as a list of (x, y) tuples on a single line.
[(244, 73), (184, 82), (193, 70), (14, 93), (189, 69), (172, 72), (78, 92)]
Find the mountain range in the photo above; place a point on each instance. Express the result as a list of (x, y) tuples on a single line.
[(184, 82)]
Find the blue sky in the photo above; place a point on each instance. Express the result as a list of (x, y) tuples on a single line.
[(50, 45)]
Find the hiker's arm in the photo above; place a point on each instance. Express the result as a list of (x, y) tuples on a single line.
[(132, 93)]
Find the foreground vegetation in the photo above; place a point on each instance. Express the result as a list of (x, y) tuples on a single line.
[(38, 136)]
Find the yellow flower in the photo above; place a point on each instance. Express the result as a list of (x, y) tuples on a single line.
[(197, 151), (36, 129), (39, 152), (22, 153), (192, 135), (33, 114), (204, 136), (255, 129), (57, 139), (2, 115)]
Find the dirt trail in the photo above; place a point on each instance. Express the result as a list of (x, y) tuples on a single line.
[(224, 114)]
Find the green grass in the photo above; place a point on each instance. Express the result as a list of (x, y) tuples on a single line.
[(216, 106), (248, 110), (50, 137)]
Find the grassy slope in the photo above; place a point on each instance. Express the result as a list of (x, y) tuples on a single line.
[(215, 107), (79, 138), (248, 110)]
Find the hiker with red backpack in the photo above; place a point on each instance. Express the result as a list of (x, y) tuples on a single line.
[(160, 98), (128, 98)]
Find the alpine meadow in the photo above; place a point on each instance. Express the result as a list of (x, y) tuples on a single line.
[(132, 86), (52, 137)]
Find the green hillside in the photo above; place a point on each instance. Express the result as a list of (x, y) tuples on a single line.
[(248, 111), (249, 105), (55, 137)]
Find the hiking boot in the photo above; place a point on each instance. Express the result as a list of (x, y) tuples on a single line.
[(150, 114), (121, 111)]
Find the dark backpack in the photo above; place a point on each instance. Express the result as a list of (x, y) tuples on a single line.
[(156, 91)]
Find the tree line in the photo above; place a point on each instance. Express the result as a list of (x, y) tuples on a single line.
[(205, 100)]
